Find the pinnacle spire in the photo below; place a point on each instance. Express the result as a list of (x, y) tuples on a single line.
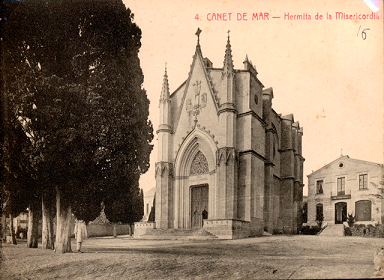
[(165, 88), (246, 58), (228, 62)]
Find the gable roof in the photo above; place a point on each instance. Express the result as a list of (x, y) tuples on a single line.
[(198, 57), (345, 158)]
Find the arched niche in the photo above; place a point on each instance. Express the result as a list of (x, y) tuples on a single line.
[(196, 142)]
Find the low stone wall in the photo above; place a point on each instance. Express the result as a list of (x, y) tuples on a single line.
[(143, 228), (228, 229), (95, 230)]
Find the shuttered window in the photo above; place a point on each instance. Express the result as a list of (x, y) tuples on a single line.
[(363, 210)]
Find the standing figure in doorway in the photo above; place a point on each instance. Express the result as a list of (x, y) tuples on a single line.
[(80, 233), (205, 216)]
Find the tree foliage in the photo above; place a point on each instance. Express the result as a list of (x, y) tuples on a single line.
[(74, 83), (127, 207), (18, 182), (152, 214)]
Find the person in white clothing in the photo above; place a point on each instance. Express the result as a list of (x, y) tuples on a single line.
[(80, 233)]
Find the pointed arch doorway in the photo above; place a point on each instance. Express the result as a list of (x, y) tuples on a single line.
[(195, 181)]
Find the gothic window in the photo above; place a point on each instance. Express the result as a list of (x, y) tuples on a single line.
[(199, 164), (256, 99), (274, 147), (275, 143)]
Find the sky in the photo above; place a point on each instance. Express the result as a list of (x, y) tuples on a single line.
[(327, 71)]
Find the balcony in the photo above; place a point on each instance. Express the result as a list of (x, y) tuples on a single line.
[(340, 195)]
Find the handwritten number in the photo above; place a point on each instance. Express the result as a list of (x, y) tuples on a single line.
[(363, 33), (197, 17)]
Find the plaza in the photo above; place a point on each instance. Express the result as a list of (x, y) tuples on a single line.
[(267, 257)]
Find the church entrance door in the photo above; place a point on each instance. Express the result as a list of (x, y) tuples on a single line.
[(199, 205)]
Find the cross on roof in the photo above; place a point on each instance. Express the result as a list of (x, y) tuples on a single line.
[(198, 34)]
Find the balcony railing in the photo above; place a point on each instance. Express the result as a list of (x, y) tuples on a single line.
[(341, 195)]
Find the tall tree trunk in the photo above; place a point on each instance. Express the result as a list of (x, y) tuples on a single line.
[(47, 226), (63, 224), (114, 230), (12, 230), (33, 223), (3, 228), (130, 230)]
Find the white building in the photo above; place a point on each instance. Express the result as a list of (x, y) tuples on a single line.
[(346, 186)]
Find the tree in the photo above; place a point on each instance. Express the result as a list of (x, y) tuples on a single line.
[(75, 82), (123, 148), (48, 212), (17, 86), (17, 184), (152, 214), (304, 214), (126, 207), (379, 195)]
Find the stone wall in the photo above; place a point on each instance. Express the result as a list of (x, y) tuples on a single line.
[(228, 229), (142, 228), (95, 230)]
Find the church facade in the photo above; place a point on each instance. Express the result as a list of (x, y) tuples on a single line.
[(227, 162)]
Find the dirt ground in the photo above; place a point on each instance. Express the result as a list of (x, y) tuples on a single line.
[(268, 257)]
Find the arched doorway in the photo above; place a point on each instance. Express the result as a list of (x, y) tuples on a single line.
[(340, 212), (195, 174)]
